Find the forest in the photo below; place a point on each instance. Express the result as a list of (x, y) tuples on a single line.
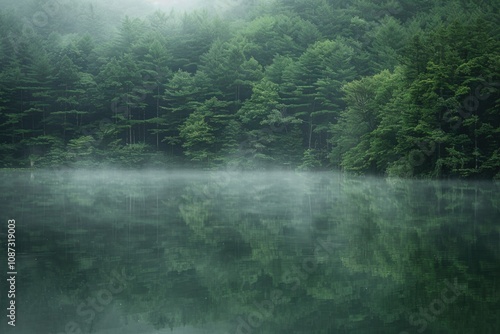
[(407, 88)]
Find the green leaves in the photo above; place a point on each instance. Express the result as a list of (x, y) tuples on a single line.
[(197, 136), (375, 86), (262, 104), (360, 138), (268, 36)]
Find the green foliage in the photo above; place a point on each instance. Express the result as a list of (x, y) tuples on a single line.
[(197, 136), (310, 161), (359, 143), (268, 36), (386, 87)]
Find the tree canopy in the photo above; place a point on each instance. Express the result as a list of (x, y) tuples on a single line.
[(399, 88)]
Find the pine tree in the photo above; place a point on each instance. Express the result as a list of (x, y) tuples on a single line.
[(312, 88), (268, 36), (157, 72), (198, 137), (361, 139), (123, 85), (268, 126)]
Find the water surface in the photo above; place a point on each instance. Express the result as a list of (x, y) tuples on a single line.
[(226, 252)]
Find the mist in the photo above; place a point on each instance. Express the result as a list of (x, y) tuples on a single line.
[(267, 166), (207, 252)]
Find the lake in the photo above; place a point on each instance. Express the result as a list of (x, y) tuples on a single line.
[(242, 252)]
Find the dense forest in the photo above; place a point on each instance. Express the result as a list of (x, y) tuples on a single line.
[(405, 88)]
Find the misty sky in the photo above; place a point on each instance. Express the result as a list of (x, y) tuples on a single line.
[(180, 5), (133, 8)]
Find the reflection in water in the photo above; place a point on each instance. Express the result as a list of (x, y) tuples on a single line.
[(227, 252)]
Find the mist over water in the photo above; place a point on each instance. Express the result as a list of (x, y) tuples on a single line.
[(128, 130), (235, 252)]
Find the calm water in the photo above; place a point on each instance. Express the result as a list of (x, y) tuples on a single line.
[(186, 253)]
